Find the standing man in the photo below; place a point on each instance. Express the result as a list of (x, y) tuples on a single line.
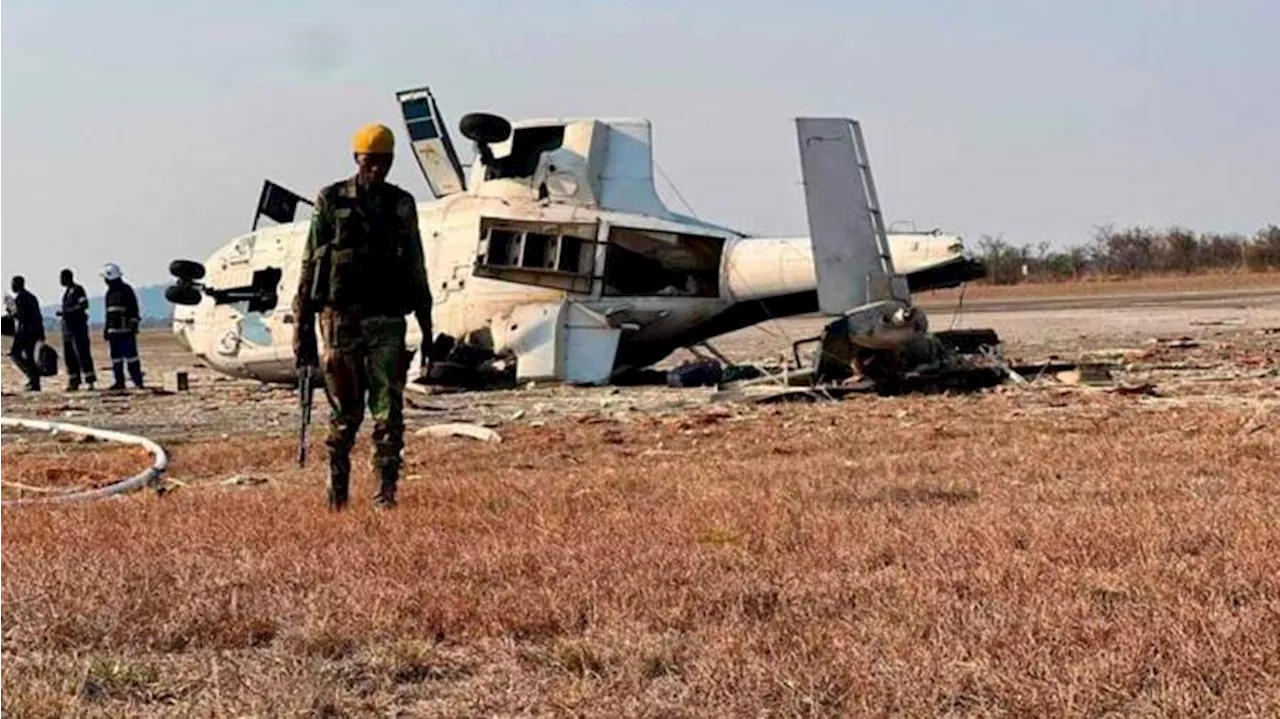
[(75, 333), (362, 272), (121, 331), (28, 332)]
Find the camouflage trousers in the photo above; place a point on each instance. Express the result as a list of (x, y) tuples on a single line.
[(365, 360)]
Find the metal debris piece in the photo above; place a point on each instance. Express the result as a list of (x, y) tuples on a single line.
[(969, 341), (698, 373), (1218, 323), (773, 393), (1071, 377), (244, 480), (1014, 375), (1089, 374), (1119, 353), (175, 382), (459, 429), (1036, 370), (1176, 342), (785, 376), (1145, 389)]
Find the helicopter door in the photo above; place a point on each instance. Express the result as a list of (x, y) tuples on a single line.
[(430, 141)]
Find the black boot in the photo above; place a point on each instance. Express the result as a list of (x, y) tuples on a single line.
[(135, 373), (339, 475), (117, 371), (389, 474)]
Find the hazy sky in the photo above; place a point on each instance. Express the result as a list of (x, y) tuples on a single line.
[(140, 131)]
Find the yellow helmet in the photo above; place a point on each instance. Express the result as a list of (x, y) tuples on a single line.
[(373, 140)]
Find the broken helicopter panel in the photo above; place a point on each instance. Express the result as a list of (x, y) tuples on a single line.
[(554, 253)]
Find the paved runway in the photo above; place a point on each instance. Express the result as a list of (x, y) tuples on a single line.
[(1059, 325)]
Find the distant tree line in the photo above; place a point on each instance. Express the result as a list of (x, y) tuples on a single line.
[(1131, 252)]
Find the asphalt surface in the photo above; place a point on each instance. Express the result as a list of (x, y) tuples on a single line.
[(1031, 329), (1190, 300)]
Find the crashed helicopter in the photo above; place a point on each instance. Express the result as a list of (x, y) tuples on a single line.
[(555, 254)]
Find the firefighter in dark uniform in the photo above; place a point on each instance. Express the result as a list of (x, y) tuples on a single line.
[(121, 331), (28, 332), (75, 333), (362, 273)]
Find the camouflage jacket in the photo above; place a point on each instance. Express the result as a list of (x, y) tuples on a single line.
[(363, 254)]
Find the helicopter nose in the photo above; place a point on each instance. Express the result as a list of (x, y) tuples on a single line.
[(183, 325)]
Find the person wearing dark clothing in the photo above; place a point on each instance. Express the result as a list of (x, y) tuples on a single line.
[(121, 331), (28, 332), (75, 333)]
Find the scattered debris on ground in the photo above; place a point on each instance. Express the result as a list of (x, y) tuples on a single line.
[(244, 480), (460, 429)]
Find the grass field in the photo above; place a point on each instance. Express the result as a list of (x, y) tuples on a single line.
[(1011, 554), (1045, 550)]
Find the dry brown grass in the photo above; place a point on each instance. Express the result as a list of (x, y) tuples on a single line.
[(994, 555), (69, 465)]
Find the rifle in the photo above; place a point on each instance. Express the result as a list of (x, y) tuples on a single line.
[(306, 375), (306, 371)]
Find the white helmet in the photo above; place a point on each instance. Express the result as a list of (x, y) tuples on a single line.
[(111, 271)]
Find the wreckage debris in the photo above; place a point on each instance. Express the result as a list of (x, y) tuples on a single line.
[(175, 382), (710, 373), (969, 342), (244, 480), (1146, 389), (774, 394), (1176, 342), (699, 373), (1088, 374), (459, 429)]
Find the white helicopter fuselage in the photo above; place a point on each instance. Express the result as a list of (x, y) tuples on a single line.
[(772, 275), (563, 259)]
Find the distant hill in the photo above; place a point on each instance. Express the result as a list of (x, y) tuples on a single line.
[(152, 305)]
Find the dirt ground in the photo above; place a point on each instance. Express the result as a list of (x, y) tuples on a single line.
[(1049, 548), (1073, 324)]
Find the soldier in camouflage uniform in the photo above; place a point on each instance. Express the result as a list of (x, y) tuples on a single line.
[(362, 273)]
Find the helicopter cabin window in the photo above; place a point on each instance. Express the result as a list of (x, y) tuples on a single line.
[(559, 255), (527, 146), (664, 264), (504, 248)]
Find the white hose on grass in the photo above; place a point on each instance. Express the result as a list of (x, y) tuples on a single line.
[(129, 484)]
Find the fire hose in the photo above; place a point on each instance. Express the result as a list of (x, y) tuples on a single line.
[(123, 486)]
